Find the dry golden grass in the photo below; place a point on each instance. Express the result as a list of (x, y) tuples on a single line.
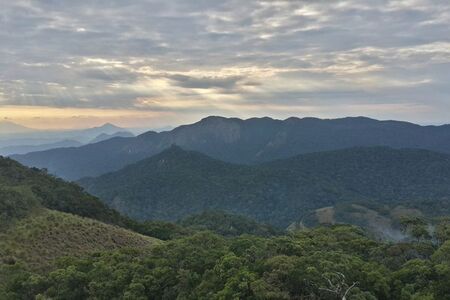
[(43, 237)]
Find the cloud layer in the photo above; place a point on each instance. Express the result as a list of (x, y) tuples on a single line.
[(383, 58)]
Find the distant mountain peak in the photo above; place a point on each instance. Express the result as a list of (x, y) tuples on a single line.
[(174, 147), (7, 127), (147, 134), (109, 125), (218, 120), (212, 118), (105, 136), (175, 151)]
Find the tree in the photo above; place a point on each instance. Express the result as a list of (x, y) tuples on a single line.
[(416, 227), (337, 285)]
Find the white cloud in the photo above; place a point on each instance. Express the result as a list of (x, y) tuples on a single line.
[(209, 56)]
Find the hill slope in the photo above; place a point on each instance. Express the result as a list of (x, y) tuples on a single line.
[(43, 218), (54, 193), (104, 136), (176, 183), (39, 239), (241, 141)]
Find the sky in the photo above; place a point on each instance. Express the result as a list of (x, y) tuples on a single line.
[(152, 63)]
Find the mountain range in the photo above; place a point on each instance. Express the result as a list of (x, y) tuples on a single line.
[(105, 136), (177, 183), (59, 242), (17, 139), (241, 141)]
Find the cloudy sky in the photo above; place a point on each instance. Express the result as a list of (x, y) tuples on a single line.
[(150, 63)]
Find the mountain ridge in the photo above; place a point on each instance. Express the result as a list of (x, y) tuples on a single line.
[(24, 149), (43, 218), (177, 182), (104, 136), (248, 141)]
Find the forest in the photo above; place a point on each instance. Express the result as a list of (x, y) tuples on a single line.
[(337, 262), (58, 242)]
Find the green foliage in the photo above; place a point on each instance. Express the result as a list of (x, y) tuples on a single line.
[(43, 237), (322, 263), (35, 230), (442, 230), (23, 190), (176, 183), (227, 224), (15, 203), (163, 230), (46, 253), (54, 193), (442, 260), (416, 227)]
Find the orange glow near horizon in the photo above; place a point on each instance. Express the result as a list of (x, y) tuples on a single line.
[(52, 118)]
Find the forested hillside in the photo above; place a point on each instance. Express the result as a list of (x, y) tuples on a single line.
[(176, 183), (49, 254), (241, 141), (43, 218), (54, 193)]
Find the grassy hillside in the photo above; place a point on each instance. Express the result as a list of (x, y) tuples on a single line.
[(23, 188), (177, 183), (42, 237), (43, 218)]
